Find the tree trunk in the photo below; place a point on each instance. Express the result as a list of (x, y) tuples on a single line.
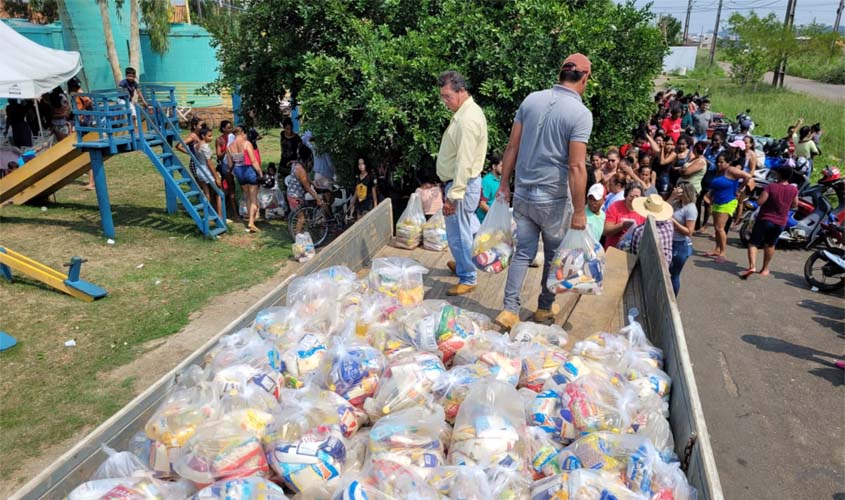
[(111, 50), (134, 36)]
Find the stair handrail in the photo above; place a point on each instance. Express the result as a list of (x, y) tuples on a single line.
[(205, 202), (178, 137)]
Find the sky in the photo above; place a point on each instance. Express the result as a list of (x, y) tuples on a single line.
[(704, 11)]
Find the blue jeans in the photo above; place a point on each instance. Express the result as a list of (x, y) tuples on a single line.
[(680, 254), (461, 228), (537, 213)]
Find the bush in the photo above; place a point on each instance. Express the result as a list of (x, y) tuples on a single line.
[(819, 69)]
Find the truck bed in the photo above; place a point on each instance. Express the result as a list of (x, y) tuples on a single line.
[(640, 282)]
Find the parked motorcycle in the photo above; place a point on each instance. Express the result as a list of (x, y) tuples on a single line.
[(825, 268)]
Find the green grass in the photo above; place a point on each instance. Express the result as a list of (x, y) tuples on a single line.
[(50, 392), (773, 110)]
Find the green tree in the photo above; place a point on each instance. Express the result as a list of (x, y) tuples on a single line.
[(670, 27), (364, 71), (759, 45)]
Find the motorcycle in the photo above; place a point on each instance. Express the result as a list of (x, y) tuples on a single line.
[(825, 268), (804, 225)]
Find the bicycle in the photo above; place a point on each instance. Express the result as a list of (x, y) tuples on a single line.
[(320, 221)]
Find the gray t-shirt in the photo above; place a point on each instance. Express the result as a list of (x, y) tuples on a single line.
[(682, 215), (701, 121), (550, 120)]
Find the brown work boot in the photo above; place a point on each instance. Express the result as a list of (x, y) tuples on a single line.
[(460, 289), (507, 319), (452, 266), (545, 315)]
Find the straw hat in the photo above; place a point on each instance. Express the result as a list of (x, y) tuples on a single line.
[(653, 205)]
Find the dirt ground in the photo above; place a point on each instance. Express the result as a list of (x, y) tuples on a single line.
[(161, 357)]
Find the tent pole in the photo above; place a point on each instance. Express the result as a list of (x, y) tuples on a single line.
[(38, 114)]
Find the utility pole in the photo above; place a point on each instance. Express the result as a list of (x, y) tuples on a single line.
[(689, 11), (716, 33), (838, 16), (787, 31)]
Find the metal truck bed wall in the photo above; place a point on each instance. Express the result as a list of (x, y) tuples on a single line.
[(647, 289)]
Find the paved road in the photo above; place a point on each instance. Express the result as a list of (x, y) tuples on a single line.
[(763, 353), (826, 91)]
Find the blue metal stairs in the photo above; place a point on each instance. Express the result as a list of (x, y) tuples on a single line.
[(155, 142)]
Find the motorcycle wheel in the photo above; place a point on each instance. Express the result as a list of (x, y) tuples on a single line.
[(814, 271), (745, 232)]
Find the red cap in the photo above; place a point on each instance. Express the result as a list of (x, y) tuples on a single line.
[(577, 62)]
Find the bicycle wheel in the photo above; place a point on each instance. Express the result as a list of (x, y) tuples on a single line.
[(313, 220)]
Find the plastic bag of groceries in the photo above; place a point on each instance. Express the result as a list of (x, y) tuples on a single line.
[(412, 437), (590, 484), (139, 487), (301, 360), (434, 233), (398, 277), (303, 247), (373, 309), (386, 480), (221, 449), (389, 338), (352, 367), (405, 383), (247, 488), (489, 426), (119, 464), (409, 228), (550, 335), (451, 388), (578, 265), (274, 323), (539, 364), (437, 327), (496, 352), (547, 413), (465, 483), (493, 246), (542, 451)]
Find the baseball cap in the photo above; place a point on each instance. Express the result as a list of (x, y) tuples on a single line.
[(596, 191), (739, 143), (577, 62)]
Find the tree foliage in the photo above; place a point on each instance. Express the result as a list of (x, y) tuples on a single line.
[(364, 71), (759, 45), (671, 29)]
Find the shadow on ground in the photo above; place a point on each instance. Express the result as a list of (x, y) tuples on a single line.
[(829, 371)]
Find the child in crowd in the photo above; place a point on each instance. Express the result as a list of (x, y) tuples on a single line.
[(206, 173)]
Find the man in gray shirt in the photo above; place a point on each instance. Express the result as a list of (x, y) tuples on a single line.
[(547, 151), (701, 120)]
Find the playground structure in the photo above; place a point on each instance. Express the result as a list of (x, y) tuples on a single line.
[(107, 129), (69, 283)]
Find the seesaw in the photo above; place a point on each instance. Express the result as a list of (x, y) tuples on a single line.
[(68, 283)]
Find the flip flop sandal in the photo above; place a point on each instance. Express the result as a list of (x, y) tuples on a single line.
[(745, 274)]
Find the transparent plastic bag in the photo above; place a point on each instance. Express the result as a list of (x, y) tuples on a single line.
[(598, 404), (119, 464), (303, 248), (488, 427), (550, 335), (587, 484), (136, 488), (373, 309), (509, 483), (352, 367), (578, 266), (542, 452), (390, 339), (539, 364), (495, 351), (176, 420), (259, 386), (434, 233), (451, 388), (221, 449), (547, 413), (411, 437), (398, 277), (301, 360), (406, 382), (493, 245), (463, 483), (274, 323), (444, 331), (409, 228), (386, 480), (247, 488)]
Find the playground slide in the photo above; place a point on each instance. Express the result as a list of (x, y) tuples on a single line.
[(46, 173)]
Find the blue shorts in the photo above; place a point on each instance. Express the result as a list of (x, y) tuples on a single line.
[(246, 175), (765, 233)]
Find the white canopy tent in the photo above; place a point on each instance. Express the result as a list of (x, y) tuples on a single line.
[(28, 69)]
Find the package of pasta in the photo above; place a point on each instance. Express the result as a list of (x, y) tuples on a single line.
[(412, 437), (451, 388), (300, 361), (386, 480), (493, 245), (221, 449), (247, 488), (398, 277), (352, 367), (406, 382), (489, 426), (547, 413), (495, 351), (578, 266), (434, 233), (539, 364), (409, 227)]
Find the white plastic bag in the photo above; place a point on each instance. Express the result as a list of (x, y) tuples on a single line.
[(578, 265), (303, 247), (409, 228), (398, 277), (434, 233), (493, 246)]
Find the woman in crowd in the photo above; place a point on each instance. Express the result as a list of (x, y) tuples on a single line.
[(596, 162), (693, 170), (684, 217), (749, 166), (610, 165), (722, 197), (248, 176), (192, 142), (711, 152), (297, 184), (671, 125), (16, 120), (805, 146), (683, 154), (615, 190), (223, 141), (366, 191), (60, 111), (290, 143), (621, 215), (207, 175)]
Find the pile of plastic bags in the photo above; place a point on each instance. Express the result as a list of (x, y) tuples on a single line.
[(434, 233), (359, 389)]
